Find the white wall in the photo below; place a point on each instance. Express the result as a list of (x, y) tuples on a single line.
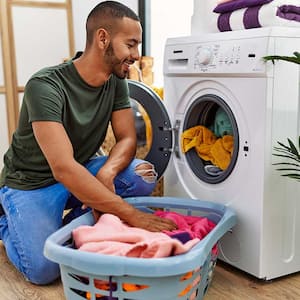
[(204, 20), (169, 18), (81, 9)]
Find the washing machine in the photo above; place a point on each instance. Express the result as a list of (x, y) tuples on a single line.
[(226, 71)]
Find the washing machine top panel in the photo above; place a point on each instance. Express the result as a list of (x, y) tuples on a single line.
[(236, 54), (268, 32)]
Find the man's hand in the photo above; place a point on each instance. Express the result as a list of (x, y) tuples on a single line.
[(145, 221), (151, 222)]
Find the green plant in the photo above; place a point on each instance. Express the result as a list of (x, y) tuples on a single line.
[(291, 168), (294, 59)]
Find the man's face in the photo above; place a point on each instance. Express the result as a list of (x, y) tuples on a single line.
[(123, 50)]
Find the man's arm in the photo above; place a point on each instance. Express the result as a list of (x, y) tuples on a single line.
[(57, 148), (123, 151)]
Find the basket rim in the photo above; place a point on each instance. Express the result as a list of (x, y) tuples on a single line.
[(147, 267)]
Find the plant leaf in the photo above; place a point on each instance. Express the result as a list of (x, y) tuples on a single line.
[(287, 157), (286, 164), (293, 148), (297, 54), (293, 59), (289, 152), (288, 169), (294, 176), (283, 145), (289, 165)]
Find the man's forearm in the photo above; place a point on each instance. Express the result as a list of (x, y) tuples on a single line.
[(93, 193), (120, 156)]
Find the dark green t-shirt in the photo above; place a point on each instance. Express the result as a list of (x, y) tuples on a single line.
[(59, 94)]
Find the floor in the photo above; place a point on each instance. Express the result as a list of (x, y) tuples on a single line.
[(232, 284), (228, 283)]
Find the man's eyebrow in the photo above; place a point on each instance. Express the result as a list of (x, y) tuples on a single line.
[(135, 41)]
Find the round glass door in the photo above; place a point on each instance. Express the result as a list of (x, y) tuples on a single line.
[(153, 127), (143, 128), (210, 138)]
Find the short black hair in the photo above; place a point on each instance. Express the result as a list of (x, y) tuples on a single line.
[(104, 14)]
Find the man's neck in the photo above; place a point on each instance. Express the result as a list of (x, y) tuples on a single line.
[(91, 70)]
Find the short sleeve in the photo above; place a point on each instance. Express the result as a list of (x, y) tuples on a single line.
[(44, 101), (121, 100)]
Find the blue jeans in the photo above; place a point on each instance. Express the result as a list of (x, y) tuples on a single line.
[(31, 216)]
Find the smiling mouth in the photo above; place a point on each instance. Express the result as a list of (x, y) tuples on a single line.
[(128, 64), (126, 67)]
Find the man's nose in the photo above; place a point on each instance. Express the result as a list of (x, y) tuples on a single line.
[(135, 54)]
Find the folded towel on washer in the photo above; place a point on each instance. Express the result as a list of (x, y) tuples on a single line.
[(233, 5), (275, 13), (210, 148)]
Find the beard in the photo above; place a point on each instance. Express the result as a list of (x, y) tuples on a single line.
[(115, 64)]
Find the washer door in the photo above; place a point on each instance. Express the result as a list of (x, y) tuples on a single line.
[(211, 111), (153, 126)]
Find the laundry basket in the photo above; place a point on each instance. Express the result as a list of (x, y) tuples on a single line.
[(95, 276)]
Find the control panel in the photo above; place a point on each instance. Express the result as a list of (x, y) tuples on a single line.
[(227, 56)]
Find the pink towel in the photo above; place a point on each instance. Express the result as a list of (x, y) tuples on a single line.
[(111, 236), (196, 227)]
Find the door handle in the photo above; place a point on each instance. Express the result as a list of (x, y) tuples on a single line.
[(176, 138)]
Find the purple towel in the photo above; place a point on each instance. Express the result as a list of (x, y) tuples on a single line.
[(289, 12), (238, 4), (224, 22), (250, 18)]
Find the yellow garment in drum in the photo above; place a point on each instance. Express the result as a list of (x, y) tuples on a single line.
[(208, 146), (221, 151)]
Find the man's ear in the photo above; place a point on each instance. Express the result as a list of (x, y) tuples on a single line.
[(102, 38)]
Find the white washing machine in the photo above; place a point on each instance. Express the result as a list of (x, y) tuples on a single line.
[(261, 100), (203, 73)]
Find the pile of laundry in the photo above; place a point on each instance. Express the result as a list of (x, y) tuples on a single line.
[(111, 236), (214, 145), (246, 14)]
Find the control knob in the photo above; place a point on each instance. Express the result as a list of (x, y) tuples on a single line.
[(204, 56)]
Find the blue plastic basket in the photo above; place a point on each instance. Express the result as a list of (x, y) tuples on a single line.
[(95, 276)]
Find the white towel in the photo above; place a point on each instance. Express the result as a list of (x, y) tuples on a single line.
[(259, 16)]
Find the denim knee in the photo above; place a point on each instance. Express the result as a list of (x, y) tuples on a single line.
[(25, 235), (143, 188), (139, 179), (42, 271)]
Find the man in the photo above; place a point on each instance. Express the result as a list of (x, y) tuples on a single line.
[(51, 162)]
